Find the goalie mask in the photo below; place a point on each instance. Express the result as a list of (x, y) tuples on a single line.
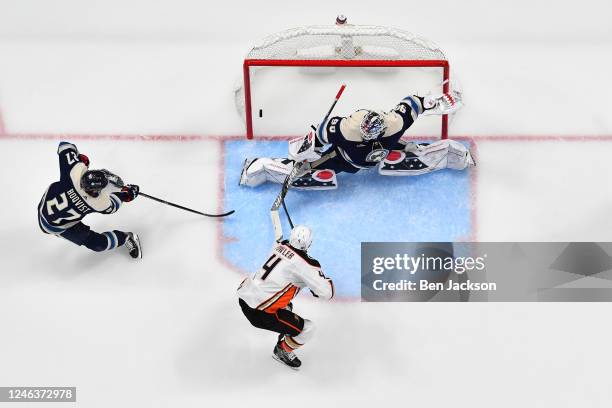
[(372, 125), (301, 237), (93, 181)]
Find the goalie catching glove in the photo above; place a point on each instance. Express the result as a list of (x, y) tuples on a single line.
[(442, 104)]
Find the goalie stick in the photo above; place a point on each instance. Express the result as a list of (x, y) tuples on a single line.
[(280, 199)]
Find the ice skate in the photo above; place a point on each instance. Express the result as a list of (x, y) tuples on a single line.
[(132, 243), (287, 358)]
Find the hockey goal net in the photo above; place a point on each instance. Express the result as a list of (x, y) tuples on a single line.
[(290, 77)]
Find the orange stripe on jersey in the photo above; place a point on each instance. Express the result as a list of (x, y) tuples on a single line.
[(273, 298), (282, 301), (288, 324)]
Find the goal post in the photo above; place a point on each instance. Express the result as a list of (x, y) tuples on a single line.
[(337, 47)]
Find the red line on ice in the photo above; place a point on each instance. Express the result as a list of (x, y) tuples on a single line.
[(221, 237), (189, 138)]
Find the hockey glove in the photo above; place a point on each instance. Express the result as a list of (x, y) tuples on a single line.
[(130, 192), (442, 104), (303, 148), (84, 159)]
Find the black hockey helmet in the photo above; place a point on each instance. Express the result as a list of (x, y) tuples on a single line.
[(93, 181)]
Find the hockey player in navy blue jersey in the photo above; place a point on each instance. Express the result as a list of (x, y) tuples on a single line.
[(79, 192), (364, 140)]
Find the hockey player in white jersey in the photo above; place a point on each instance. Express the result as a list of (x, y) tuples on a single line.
[(265, 298), (364, 140)]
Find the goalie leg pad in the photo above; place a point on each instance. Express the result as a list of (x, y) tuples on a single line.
[(400, 163), (263, 169), (427, 158), (316, 180), (459, 156)]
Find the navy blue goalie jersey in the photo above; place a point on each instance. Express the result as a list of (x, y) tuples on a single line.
[(65, 203), (343, 134)]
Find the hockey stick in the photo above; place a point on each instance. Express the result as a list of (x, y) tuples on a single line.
[(331, 108), (280, 199), (287, 214), (276, 223), (118, 182), (159, 200)]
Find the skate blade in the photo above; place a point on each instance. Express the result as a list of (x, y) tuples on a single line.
[(283, 363)]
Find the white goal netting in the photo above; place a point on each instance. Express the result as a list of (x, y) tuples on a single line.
[(346, 42), (312, 60)]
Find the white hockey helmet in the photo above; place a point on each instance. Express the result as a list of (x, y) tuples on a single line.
[(301, 237), (372, 125)]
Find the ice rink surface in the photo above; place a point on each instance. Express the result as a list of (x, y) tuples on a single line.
[(145, 89), (379, 209)]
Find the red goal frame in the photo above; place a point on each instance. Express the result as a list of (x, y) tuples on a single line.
[(248, 63)]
